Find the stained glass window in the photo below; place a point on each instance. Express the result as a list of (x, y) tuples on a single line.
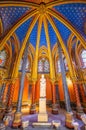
[(58, 67), (28, 67), (43, 66), (3, 56), (46, 66), (66, 65), (83, 56), (40, 66), (20, 66)]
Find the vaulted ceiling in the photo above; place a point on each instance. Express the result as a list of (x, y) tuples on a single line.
[(68, 17)]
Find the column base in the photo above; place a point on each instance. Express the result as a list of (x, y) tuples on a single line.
[(79, 112), (2, 113), (84, 107), (55, 109), (69, 119), (33, 109), (7, 116), (2, 126), (8, 111), (17, 120), (83, 117), (85, 127)]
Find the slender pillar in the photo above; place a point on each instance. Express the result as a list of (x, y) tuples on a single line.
[(17, 116), (83, 86), (53, 93), (2, 91), (5, 98), (33, 106), (35, 63), (69, 114), (10, 98), (52, 69), (2, 102), (79, 107), (55, 105)]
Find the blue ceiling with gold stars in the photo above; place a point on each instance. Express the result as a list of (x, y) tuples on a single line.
[(75, 13), (21, 31), (10, 15), (43, 37)]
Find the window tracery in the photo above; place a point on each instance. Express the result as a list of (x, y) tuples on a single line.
[(83, 58), (3, 56), (58, 67), (43, 66), (28, 66)]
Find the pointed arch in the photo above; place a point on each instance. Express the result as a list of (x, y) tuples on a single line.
[(59, 17), (17, 24)]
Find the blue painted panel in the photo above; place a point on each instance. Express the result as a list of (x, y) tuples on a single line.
[(64, 31), (10, 15), (52, 35), (33, 35), (22, 30), (76, 14), (43, 37)]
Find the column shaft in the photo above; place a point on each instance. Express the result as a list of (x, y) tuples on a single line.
[(66, 94), (77, 95), (53, 94), (33, 105), (2, 91), (4, 97), (10, 97), (33, 93), (22, 79), (17, 115)]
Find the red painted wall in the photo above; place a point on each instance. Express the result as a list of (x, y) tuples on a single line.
[(25, 92), (70, 88)]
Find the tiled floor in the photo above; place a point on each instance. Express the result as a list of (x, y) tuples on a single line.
[(58, 118), (31, 128)]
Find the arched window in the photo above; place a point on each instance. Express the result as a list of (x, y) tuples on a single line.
[(46, 66), (20, 66), (83, 56), (65, 63), (58, 67), (40, 66), (3, 56), (43, 66), (28, 66)]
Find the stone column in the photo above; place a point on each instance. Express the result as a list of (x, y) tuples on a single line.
[(52, 69), (54, 106), (79, 107), (35, 61), (2, 92), (10, 98), (69, 114), (4, 99), (33, 105), (17, 116), (2, 102), (83, 88)]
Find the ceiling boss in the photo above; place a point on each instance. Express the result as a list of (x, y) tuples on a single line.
[(42, 8)]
